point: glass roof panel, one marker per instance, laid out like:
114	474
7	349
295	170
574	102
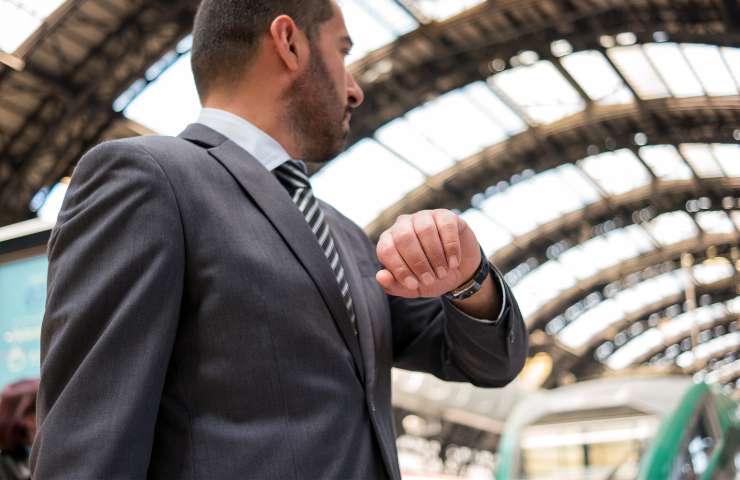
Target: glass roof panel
547	185
514	217
578	263
665	162
636	68
708	64
640	239
403	139
665	334
389	13
732	58
591	323
726	343
174	88
576	181
358	184
708	273
728	157
702	159
674	69
443	9
367	30
540	90
482	96
597	77
636	348
491	236
715	222
542	285
456	125
21	18
672	227
561	197
616	172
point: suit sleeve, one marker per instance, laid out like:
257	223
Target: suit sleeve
116	267
434	336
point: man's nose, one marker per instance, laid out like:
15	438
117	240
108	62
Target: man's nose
355	95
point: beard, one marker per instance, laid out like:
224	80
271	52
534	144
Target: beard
316	113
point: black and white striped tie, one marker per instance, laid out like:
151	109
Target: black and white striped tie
292	174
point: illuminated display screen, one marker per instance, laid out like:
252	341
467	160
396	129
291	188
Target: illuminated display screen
22	299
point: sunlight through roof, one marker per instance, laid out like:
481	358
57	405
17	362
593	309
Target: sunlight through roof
21	18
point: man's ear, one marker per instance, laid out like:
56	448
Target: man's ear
290	42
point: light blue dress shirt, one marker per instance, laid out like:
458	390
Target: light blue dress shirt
260	145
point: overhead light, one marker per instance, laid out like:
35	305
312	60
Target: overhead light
561	48
12	61
626	38
498	65
528	57
606	41
640	139
660	37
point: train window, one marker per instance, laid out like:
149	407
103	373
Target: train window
697	449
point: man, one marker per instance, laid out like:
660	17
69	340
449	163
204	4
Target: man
207	318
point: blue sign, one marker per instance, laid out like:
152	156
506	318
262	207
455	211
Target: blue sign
22	300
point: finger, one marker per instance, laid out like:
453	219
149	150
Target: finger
408	246
392	287
393	261
425	227
449	228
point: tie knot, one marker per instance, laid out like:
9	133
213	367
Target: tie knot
293	175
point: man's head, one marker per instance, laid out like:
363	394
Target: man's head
290	53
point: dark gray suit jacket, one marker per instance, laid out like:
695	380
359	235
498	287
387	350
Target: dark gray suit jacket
194	329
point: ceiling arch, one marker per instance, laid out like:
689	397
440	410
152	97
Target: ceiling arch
663	121
441	57
59	103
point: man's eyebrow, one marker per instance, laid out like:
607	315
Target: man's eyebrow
346	39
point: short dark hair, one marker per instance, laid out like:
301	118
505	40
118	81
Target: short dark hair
227	33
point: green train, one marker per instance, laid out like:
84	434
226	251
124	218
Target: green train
650	428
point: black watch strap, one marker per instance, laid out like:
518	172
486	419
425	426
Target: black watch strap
470	287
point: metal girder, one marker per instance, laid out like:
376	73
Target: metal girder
74	112
668	121
579	226
583	366
587	366
440	57
695	245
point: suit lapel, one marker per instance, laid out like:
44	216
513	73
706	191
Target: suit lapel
271	198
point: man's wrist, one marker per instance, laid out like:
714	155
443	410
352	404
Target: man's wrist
473	285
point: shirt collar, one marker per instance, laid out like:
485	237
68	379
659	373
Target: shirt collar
259	144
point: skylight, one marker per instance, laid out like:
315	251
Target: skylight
702	159
595	321
374	24
594	73
673	68
352	181
541	91
616	172
443	9
638	71
665	162
21	19
666	334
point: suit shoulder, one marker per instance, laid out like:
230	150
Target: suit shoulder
162	150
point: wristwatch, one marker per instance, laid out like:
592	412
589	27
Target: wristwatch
474	284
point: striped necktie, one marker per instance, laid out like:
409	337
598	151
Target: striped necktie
292	174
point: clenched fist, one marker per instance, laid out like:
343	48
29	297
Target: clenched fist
427	254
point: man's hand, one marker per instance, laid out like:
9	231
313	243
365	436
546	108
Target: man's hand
427	254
